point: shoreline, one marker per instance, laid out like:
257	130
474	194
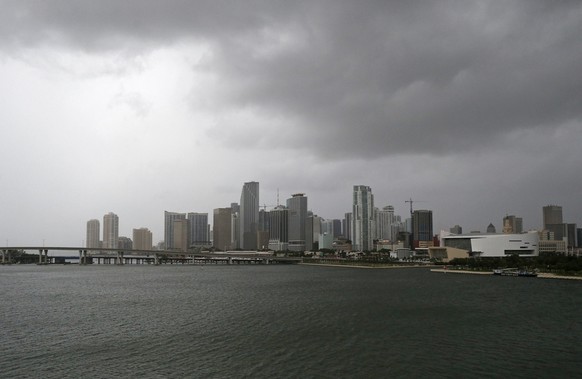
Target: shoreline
362	266
542	275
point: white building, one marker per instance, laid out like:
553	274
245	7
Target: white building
93	234
493	245
110	230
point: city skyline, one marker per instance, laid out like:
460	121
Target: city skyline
367	226
471	110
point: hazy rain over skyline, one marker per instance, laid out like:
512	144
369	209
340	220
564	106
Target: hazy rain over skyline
136	107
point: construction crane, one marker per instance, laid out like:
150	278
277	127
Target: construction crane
411	201
264	206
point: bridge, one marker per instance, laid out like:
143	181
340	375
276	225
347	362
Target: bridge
89	255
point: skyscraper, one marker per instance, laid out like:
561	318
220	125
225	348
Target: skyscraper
512	224
93	234
142	239
198	229
110	230
297	206
347	226
249	215
363	227
422	228
384	223
279	228
552	215
554	223
169	218
221	229
180	237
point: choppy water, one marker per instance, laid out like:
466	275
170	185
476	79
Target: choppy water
283	322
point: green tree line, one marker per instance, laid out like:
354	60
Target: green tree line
545	262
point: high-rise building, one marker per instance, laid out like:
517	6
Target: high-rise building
491	228
384	223
249	215
110	230
512	224
222	229
124	243
363	227
180	237
169	218
142	239
93	234
554	223
297	206
552	215
422	228
337	228
347	226
279	228
309	243
198	229
572	237
456	229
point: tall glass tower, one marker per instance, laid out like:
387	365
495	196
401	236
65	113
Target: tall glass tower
363	226
297	206
110	230
249	215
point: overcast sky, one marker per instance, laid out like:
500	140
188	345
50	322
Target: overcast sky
471	108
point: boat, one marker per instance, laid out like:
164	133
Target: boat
515	272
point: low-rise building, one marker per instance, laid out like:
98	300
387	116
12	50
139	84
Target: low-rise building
494	245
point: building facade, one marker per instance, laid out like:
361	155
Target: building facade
169	218
422	228
385	221
222	229
249	216
142	239
180	235
279	229
363	227
297	215
512	224
198	229
93	234
110	230
494	245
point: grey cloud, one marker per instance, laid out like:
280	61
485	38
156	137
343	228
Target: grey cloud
374	77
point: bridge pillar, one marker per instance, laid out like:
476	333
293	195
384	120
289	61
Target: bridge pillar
3	256
83	257
46	261
119	257
40	256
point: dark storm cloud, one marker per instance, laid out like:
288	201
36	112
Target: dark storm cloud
362	78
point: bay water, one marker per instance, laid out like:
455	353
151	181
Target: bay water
283	321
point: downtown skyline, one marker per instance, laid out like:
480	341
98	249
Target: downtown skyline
368	206
470	109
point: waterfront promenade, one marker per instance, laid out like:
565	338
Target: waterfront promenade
543	275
